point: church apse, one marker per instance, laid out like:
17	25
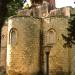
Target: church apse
23	46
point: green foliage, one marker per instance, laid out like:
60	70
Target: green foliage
70	38
71	30
13	6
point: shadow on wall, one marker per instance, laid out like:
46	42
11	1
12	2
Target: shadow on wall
2	70
59	71
11	72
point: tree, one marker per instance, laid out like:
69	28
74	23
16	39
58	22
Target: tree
13	6
3	11
70	38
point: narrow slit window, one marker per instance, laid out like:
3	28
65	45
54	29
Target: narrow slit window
13	37
51	36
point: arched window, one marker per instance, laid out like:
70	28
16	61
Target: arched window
13	37
51	36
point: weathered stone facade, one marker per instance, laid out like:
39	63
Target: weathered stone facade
27	47
4	45
58	58
26	39
23	46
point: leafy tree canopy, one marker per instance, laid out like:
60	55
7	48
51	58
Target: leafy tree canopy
70	38
13	6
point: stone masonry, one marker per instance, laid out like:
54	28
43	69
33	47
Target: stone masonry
58	58
4	45
24	53
23	46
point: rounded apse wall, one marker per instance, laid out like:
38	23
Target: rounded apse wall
23	46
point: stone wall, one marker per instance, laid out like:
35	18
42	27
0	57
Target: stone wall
4	45
59	58
23	46
23	52
73	61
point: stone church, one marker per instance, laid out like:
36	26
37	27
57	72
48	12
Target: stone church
26	40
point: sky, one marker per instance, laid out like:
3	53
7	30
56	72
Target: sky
64	3
58	3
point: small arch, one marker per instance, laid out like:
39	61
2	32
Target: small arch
51	36
13	36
